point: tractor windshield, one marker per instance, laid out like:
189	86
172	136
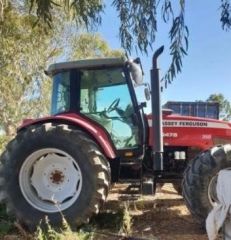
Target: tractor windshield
105	98
101	95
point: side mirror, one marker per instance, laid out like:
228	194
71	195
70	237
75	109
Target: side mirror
136	71
147	94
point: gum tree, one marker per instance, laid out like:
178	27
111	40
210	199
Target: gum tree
138	21
25	52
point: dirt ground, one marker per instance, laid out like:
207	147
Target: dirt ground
160	217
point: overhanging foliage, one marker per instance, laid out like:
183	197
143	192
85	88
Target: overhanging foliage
138	22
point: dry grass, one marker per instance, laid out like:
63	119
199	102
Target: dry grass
163	216
160	217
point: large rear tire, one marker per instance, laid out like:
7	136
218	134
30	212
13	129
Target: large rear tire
199	181
50	168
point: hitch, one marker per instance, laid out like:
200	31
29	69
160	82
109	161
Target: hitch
156	113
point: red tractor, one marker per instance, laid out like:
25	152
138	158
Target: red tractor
98	134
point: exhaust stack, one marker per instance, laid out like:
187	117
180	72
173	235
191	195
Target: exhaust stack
156	113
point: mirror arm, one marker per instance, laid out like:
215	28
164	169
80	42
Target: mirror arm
142	105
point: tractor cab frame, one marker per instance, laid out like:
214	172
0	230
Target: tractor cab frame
102	91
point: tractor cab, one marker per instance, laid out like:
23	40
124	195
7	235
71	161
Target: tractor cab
101	90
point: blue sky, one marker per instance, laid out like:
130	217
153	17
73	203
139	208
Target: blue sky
206	69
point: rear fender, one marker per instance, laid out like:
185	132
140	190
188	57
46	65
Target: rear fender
98	134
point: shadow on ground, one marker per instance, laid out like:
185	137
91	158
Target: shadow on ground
160	217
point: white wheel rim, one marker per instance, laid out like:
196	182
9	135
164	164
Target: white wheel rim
50	180
212	191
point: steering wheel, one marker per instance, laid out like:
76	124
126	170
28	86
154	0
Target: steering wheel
113	105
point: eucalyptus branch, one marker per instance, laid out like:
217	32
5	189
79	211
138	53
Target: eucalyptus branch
83	12
167	11
178	35
225	14
43	10
3	5
87	12
137	18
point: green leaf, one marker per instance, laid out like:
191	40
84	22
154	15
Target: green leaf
183	51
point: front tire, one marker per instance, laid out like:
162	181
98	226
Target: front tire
199	181
48	169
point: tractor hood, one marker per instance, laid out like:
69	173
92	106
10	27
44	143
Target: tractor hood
192	131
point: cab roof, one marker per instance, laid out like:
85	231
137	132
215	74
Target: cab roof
85	63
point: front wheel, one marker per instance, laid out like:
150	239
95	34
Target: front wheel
200	178
49	169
